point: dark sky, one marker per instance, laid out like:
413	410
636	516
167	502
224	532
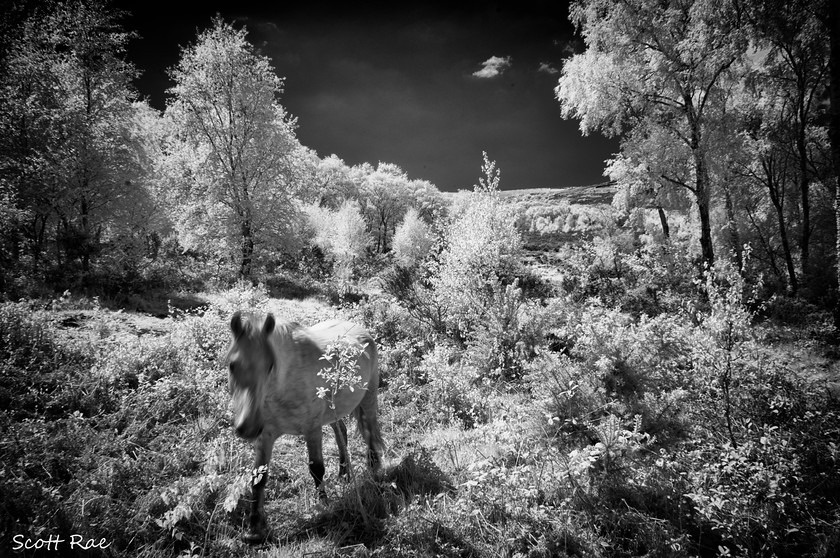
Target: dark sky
428	87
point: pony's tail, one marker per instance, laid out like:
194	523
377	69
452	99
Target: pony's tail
367	415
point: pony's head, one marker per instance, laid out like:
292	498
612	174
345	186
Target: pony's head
250	362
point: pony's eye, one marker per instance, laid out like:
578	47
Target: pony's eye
230	367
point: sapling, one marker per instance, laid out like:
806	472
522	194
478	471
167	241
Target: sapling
342	370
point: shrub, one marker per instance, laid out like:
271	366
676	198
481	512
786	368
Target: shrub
752	495
412	240
342	235
620	364
496	346
26	341
482	246
624	271
291	285
453	389
438	389
724	349
40	375
413	291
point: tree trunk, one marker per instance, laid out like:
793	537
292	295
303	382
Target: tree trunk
706	232
778	204
663	219
86	236
734	236
805	237
701	189
383	227
247	249
834	133
791	269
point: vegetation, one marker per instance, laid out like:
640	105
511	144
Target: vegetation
644	369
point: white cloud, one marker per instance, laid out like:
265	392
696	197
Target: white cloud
547	68
493	67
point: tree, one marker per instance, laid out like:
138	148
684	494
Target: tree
482	249
70	153
427	200
795	71
834	132
232	156
341	234
656	70
790	79
412	239
333	183
638	175
386	195
766	166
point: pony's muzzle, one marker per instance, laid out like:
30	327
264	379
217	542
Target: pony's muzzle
247	422
248	431
248	427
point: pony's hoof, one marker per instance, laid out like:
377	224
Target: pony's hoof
255	536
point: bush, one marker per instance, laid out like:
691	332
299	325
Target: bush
291	285
413	291
482	246
41	376
412	240
439	389
627	272
496	346
757	496
619	364
342	235
26	341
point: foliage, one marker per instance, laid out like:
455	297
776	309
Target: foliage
342	368
231	156
412	240
642	408
74	153
332	182
482	246
497	347
341	235
611	442
414	291
660	78
385	198
640	273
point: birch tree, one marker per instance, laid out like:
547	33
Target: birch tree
656	69
386	194
232	155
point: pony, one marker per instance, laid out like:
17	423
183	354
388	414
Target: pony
276	388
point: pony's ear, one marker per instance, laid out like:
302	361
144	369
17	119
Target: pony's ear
268	326
236	324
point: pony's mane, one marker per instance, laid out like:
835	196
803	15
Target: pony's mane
285	328
254	322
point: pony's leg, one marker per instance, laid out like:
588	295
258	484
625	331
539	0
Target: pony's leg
373	438
314	447
257	525
341	441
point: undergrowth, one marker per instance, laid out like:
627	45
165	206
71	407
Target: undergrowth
589	430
